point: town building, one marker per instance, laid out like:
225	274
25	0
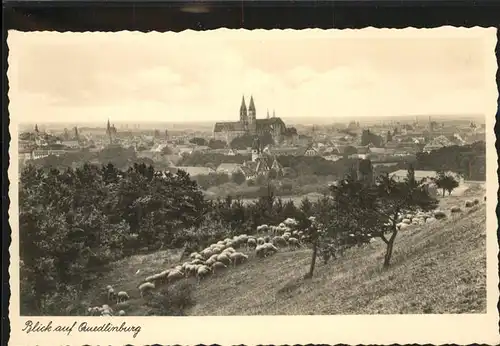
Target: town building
250	125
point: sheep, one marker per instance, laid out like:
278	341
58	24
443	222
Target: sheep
279	241
224	258
293	242
430	220
265	250
267	239
243	238
407	221
262	228
111	293
403	225
122	296
193	255
218	266
146	288
95	311
238	258
202	272
197	261
455	209
217	249
260	241
175	275
251	243
229	250
121	313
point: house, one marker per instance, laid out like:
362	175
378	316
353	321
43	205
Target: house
310	151
229	168
288	151
380	153
195	171
401	175
71	144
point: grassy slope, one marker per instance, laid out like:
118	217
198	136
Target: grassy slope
439	268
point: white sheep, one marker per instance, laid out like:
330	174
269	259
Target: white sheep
293	242
202	272
238	258
224	258
279	241
175	275
146	288
260	241
430	220
197	261
262	228
121	313
407	221
122	296
229	250
218	266
265	250
251	243
403	225
193	255
111	293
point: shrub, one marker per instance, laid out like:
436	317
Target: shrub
468	204
173	300
456	210
439	214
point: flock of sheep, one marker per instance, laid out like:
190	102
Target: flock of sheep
213	259
221	255
420	218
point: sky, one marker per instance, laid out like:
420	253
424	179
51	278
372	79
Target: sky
202	76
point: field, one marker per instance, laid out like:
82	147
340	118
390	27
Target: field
436	268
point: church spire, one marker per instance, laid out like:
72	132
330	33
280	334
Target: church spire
243	111
251	106
243	105
274	114
268	114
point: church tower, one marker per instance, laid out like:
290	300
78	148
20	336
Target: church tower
243	114
252	123
255	149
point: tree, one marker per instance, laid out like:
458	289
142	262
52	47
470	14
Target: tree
350	150
198	141
217	144
446	182
376	208
238	177
166	150
368	137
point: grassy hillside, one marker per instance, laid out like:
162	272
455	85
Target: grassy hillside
436	268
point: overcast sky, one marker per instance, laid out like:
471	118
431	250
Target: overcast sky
202	76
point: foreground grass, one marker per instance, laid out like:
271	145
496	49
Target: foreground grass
437	268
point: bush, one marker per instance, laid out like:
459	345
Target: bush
439	214
173	300
456	210
468	204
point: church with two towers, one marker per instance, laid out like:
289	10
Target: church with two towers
248	124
